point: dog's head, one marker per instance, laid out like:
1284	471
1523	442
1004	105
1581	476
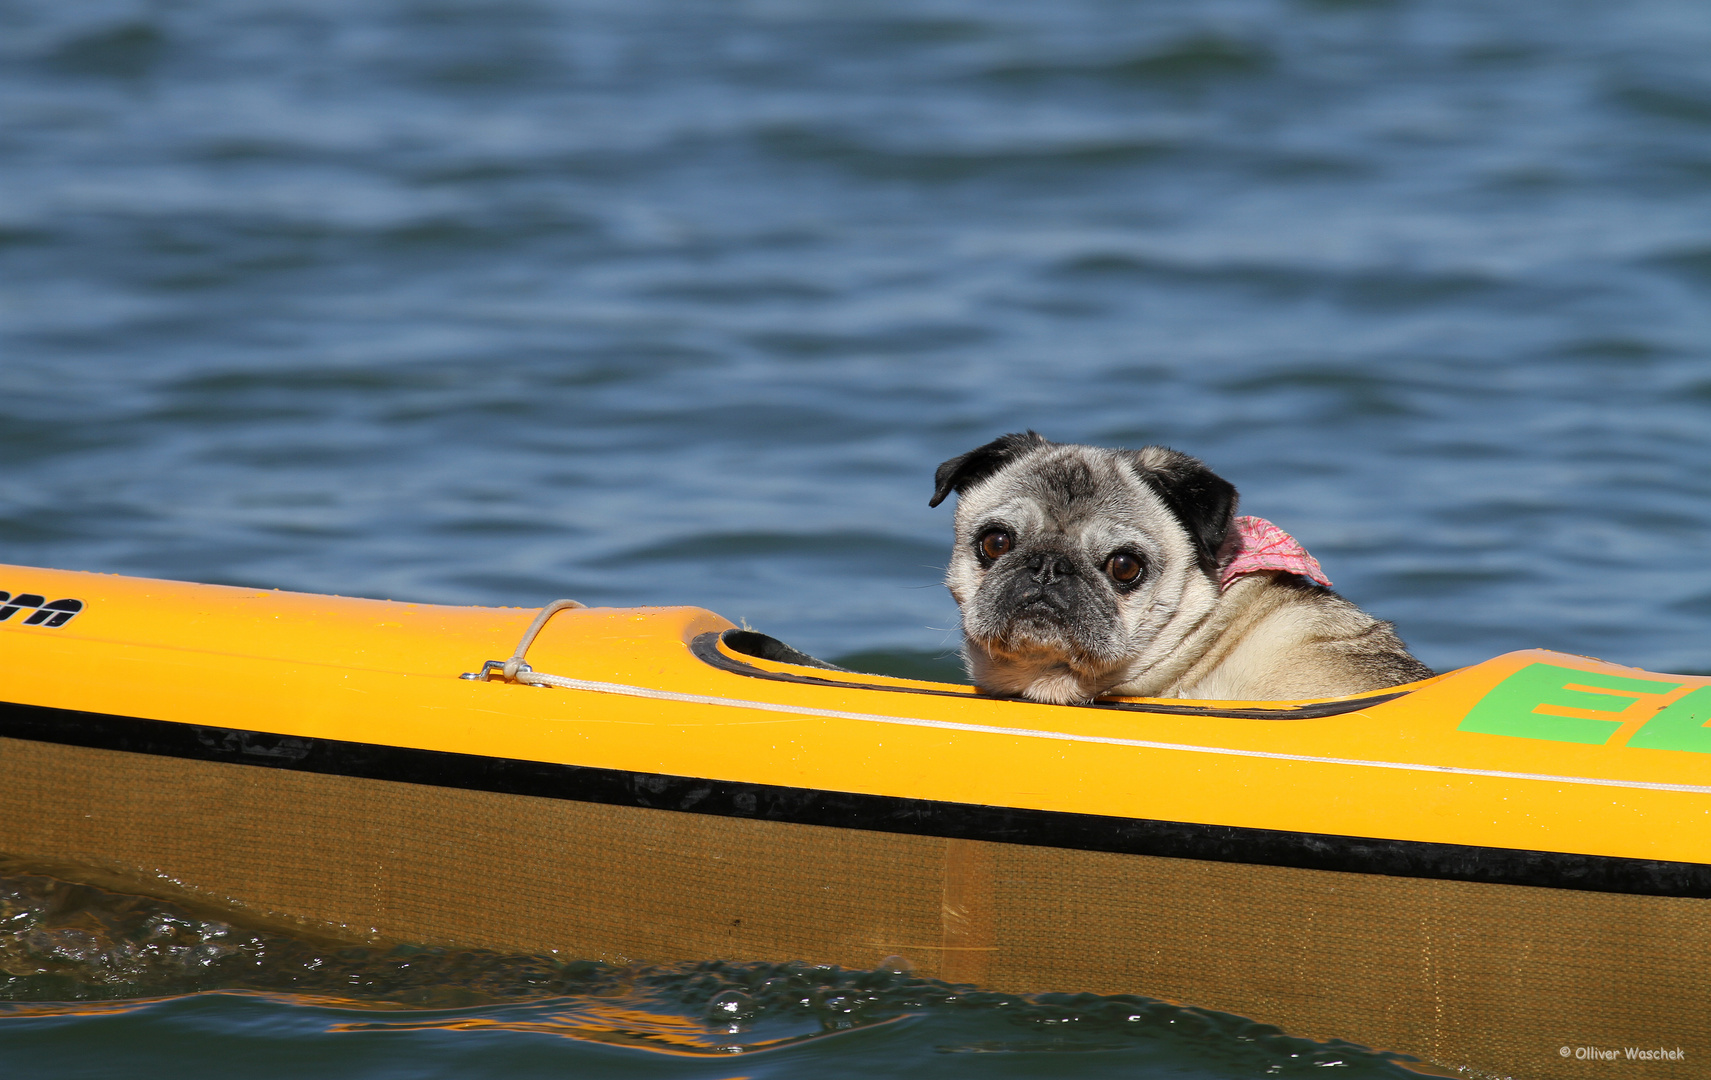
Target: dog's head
1077	568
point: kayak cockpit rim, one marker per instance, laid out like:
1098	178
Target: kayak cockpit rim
732	650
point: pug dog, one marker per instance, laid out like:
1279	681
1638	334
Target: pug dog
1083	572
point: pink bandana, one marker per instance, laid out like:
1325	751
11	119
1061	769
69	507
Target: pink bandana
1256	544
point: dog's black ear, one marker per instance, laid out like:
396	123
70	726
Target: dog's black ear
961	473
1202	500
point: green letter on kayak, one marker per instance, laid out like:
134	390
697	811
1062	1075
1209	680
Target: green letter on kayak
1680	726
1511	706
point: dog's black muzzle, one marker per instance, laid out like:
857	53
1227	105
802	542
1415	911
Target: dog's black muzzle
1048	583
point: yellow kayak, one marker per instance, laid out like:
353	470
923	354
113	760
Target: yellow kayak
1475	868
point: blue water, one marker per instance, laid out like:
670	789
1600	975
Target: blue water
652	302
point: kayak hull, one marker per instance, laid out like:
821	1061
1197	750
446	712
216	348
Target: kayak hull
301	761
1462	973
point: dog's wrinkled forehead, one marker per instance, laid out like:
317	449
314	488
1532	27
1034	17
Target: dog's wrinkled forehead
1154	491
1065	489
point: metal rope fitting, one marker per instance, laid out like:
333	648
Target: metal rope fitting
508	670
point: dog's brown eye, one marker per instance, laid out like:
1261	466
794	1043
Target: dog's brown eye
1123	567
995	543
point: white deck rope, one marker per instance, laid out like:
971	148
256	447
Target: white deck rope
536	678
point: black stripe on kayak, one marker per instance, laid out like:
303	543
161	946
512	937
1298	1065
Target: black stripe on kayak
705	648
845	810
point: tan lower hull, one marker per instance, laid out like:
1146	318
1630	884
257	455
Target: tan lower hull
1493	977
